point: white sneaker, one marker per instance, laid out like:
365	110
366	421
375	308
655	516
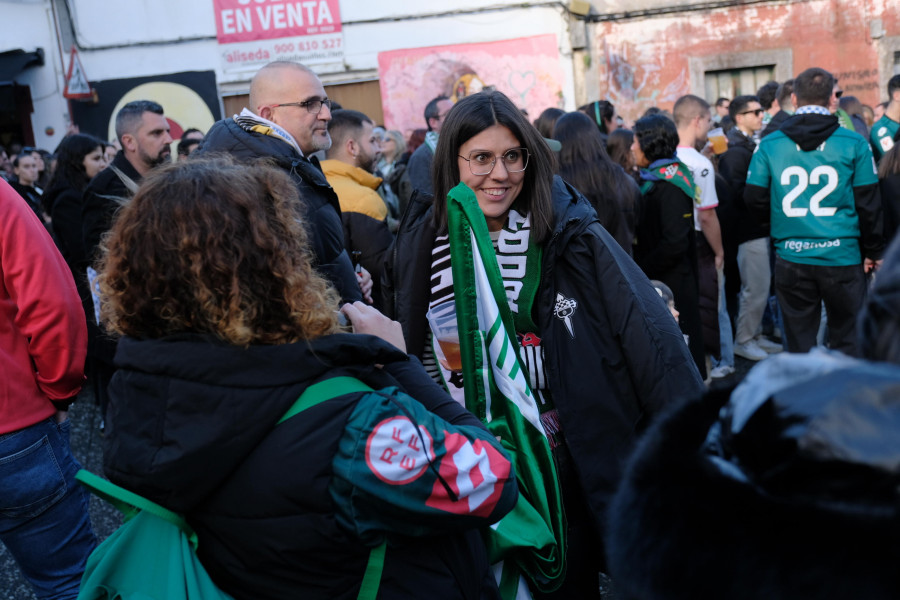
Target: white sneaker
721	372
750	350
767	345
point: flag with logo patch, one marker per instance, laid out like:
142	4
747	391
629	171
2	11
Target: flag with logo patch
528	542
675	172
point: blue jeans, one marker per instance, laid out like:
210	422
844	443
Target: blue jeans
44	520
726	338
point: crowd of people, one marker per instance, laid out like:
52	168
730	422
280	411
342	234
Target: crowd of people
299	242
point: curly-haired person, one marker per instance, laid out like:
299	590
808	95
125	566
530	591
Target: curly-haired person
665	238
225	324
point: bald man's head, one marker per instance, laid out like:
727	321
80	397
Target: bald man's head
276	93
268	85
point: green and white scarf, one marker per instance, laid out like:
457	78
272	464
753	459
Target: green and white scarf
529	542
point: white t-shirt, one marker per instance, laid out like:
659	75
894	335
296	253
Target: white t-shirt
704	178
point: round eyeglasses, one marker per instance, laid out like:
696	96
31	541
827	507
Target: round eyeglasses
313	106
481	162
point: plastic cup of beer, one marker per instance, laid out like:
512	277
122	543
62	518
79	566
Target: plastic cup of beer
442	319
718	139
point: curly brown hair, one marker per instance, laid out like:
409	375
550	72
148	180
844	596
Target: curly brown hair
211	246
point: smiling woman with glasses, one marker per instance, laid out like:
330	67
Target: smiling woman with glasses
601	351
482	163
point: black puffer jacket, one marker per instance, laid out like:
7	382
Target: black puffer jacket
192	426
785	488
624	359
326	233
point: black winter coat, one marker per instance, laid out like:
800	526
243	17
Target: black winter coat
623	361
192	426
65	212
890	202
324	228
777	490
666	250
733	166
102	198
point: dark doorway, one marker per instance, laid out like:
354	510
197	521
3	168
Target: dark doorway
15	115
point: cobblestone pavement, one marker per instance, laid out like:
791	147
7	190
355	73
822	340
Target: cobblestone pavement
87	444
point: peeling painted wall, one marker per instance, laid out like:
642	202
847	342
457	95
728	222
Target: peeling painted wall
650	61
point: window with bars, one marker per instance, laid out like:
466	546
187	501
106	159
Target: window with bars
731	83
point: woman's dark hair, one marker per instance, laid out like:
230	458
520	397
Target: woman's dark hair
656	136
584	163
618	146
469	117
70	155
890	162
546	120
416	139
600	111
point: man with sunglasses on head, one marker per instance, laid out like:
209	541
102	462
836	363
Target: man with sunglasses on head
286	122
752	240
815	183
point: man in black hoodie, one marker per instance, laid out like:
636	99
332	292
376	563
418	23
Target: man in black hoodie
751	240
814	184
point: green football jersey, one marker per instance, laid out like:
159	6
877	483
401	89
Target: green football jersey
813	209
883	132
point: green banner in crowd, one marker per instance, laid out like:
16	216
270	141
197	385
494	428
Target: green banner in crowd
530	540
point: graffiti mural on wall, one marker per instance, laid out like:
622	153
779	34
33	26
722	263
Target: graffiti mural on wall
857	81
527	70
634	85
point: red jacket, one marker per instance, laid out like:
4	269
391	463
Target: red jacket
43	335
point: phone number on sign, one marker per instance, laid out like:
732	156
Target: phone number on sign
307	46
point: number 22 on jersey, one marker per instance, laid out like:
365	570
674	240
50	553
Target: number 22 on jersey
821	174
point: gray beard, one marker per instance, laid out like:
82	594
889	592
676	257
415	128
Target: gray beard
320	144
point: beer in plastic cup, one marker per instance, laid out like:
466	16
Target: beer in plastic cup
442	320
718	139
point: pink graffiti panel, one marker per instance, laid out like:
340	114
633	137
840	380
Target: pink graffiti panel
528	70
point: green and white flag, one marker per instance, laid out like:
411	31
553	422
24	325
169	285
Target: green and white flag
530	540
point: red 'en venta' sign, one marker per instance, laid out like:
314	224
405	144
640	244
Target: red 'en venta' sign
252	20
252	33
